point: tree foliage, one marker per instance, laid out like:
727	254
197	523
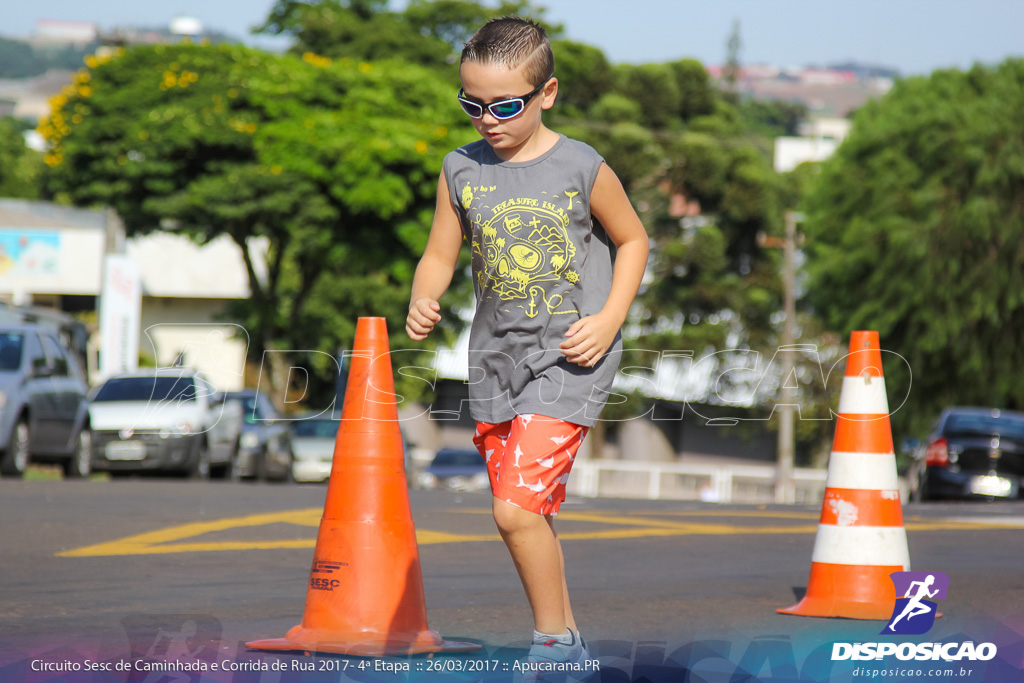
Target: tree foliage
19	59
429	33
916	229
773	118
20	167
584	76
332	163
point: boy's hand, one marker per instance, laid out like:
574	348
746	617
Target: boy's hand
423	315
589	339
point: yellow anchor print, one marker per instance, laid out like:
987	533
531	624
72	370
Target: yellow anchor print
551	304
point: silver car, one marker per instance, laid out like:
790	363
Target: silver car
163	420
44	411
313	438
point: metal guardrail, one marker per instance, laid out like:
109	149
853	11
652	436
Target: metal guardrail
685	481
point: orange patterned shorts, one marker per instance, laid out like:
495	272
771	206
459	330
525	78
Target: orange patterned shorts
529	459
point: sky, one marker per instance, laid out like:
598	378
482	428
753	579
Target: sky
912	36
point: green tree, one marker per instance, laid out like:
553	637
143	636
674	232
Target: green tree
584	76
332	164
916	229
773	118
20	167
358	30
455	21
711	284
19	59
430	33
654	87
731	71
696	95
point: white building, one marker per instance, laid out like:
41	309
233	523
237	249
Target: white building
52	256
63	32
819	138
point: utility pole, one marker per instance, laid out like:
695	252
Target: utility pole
785	491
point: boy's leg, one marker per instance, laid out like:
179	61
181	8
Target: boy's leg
529	486
538	560
566	607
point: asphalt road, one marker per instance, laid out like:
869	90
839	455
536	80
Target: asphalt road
107	569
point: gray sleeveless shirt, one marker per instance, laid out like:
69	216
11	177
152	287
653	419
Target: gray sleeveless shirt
540	263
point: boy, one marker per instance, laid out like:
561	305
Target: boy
552	292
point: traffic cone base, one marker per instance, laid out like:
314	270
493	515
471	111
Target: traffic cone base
362	644
851	591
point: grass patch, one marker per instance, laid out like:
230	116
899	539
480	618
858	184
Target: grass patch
37	472
44	473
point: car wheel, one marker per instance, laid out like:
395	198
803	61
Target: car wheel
288	476
259	466
80	464
16	457
200	463
233	471
226	471
920	492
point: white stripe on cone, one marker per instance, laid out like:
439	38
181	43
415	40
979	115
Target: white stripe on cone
863	396
877	546
871	471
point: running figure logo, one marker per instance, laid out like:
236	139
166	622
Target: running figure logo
914	614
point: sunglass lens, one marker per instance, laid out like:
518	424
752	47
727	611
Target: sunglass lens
506	110
472	109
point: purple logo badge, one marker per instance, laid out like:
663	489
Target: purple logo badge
915	612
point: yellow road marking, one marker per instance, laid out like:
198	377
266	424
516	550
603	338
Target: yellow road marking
738	513
177	539
161	541
425	537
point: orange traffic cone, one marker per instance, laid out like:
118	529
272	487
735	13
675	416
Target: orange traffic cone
365	593
861	538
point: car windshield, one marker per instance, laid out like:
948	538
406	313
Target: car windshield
317	429
458	458
249	411
255	409
985	425
10	351
147	389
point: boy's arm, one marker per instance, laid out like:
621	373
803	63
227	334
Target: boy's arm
436	267
590	338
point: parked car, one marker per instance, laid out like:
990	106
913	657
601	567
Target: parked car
455	469
163	420
44	415
313	439
265	448
970	453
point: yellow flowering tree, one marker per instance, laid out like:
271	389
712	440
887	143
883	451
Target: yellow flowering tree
332	162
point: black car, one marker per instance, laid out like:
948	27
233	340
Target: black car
454	469
970	453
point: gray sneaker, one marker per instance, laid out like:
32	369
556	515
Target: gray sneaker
583	644
552	661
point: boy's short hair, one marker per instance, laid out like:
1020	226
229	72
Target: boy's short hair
512	42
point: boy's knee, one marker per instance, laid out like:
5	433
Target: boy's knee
510	518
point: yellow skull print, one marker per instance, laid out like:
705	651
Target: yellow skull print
523	247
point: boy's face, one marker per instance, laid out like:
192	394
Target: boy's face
488	83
